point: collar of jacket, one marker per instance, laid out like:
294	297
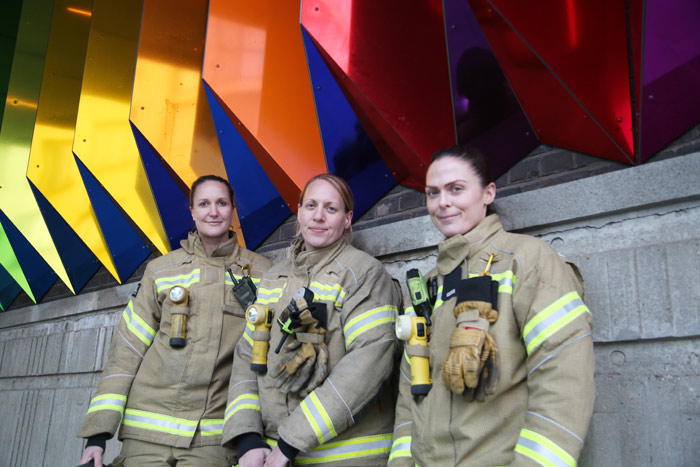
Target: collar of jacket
455	250
303	259
193	245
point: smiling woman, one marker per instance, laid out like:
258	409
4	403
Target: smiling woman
186	317
308	404
509	348
211	204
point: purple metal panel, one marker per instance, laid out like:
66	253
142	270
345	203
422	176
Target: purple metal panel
670	101
487	113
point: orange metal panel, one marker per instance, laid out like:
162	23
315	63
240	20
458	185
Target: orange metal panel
104	141
169	105
256	64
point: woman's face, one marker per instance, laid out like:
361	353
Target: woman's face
212	211
322	217
456	199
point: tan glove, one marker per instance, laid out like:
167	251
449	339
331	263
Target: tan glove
307	353
472	349
321	364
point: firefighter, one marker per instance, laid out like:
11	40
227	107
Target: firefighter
510	348
322	397
169	363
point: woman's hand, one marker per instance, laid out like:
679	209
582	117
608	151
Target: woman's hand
254	458
276	459
92	453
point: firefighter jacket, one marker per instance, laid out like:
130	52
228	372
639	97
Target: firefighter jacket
540	412
167	395
348	419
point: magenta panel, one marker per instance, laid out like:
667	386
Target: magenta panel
390	60
487	113
670	101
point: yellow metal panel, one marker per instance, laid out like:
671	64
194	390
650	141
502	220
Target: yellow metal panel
104	141
169	104
16	196
52	167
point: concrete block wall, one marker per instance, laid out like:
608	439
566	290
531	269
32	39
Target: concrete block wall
634	233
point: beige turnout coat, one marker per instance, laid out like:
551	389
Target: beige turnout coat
347	420
166	395
540	412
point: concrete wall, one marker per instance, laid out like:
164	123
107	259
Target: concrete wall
636	239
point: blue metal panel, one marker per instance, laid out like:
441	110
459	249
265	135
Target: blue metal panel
261	209
9	289
125	245
39	275
349	151
173	204
77	259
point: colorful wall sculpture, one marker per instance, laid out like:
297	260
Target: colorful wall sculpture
110	109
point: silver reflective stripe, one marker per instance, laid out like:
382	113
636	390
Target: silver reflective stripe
114	402
137	325
156	422
318	418
244	401
347	449
211	427
542	451
368	320
269	295
331	293
555	316
184	280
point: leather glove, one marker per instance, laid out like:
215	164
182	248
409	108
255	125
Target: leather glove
472	365
307	353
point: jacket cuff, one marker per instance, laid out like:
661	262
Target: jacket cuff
290	452
99	440
247	442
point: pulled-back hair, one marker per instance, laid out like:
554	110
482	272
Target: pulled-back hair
471	156
209	178
339	184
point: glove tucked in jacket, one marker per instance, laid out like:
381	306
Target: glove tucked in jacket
471	366
306	363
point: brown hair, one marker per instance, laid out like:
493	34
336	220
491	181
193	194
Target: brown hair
339	184
471	156
210	178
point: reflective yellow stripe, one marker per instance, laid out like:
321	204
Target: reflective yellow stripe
157	422
185	280
409	311
438	301
318	418
506	281
229	281
405	355
115	402
552	319
243	402
368	320
401	448
213	427
266	296
247	333
353	448
137	325
542	450
331	293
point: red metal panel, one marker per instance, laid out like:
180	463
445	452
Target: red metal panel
390	59
567	62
